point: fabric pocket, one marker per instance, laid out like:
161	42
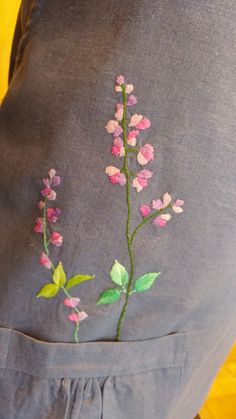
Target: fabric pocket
109	380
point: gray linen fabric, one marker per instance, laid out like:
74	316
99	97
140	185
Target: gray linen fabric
181	57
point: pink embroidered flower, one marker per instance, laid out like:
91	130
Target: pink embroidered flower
129	88
53	214
177	206
145	154
46	182
131	138
77	317
141	180
115	176
56	239
120	80
38	228
118	147
51	173
111	126
132	100
54	180
157	204
161	220
45	261
135	119
145	210
143	124
72	302
49	194
119	111
139	122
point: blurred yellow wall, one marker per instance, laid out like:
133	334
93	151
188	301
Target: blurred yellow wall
221	401
8	15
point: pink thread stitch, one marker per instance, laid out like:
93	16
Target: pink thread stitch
44	225
126	129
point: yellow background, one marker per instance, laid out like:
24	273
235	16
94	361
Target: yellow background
221	401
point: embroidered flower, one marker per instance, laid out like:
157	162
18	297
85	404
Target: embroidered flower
139	122
45	261
115	176
77	317
119	111
141	180
132	100
143	124
111	126
162	219
135	120
53	214
145	210
120	80
72	302
131	139
129	88
38	228
56	239
145	154
118	147
177	206
158	204
49	194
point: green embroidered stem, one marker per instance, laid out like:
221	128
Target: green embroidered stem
76	330
45	242
146	219
127	232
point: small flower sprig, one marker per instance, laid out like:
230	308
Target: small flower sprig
125	129
44	225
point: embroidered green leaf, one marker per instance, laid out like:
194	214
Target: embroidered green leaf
109	296
75	280
146	281
48	291
119	274
59	276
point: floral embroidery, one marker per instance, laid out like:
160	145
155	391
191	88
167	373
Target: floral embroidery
126	129
43	225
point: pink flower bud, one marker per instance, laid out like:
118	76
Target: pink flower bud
77	317
115	176
38	228
120	80
49	194
145	210
45	261
141	180
72	302
118	147
56	239
145	154
132	100
53	214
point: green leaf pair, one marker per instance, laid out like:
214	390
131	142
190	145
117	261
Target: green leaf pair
119	276
59	280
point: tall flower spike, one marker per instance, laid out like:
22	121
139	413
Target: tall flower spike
125	135
59	281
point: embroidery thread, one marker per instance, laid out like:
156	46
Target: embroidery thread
157	211
44	225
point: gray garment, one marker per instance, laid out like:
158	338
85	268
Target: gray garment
180	56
